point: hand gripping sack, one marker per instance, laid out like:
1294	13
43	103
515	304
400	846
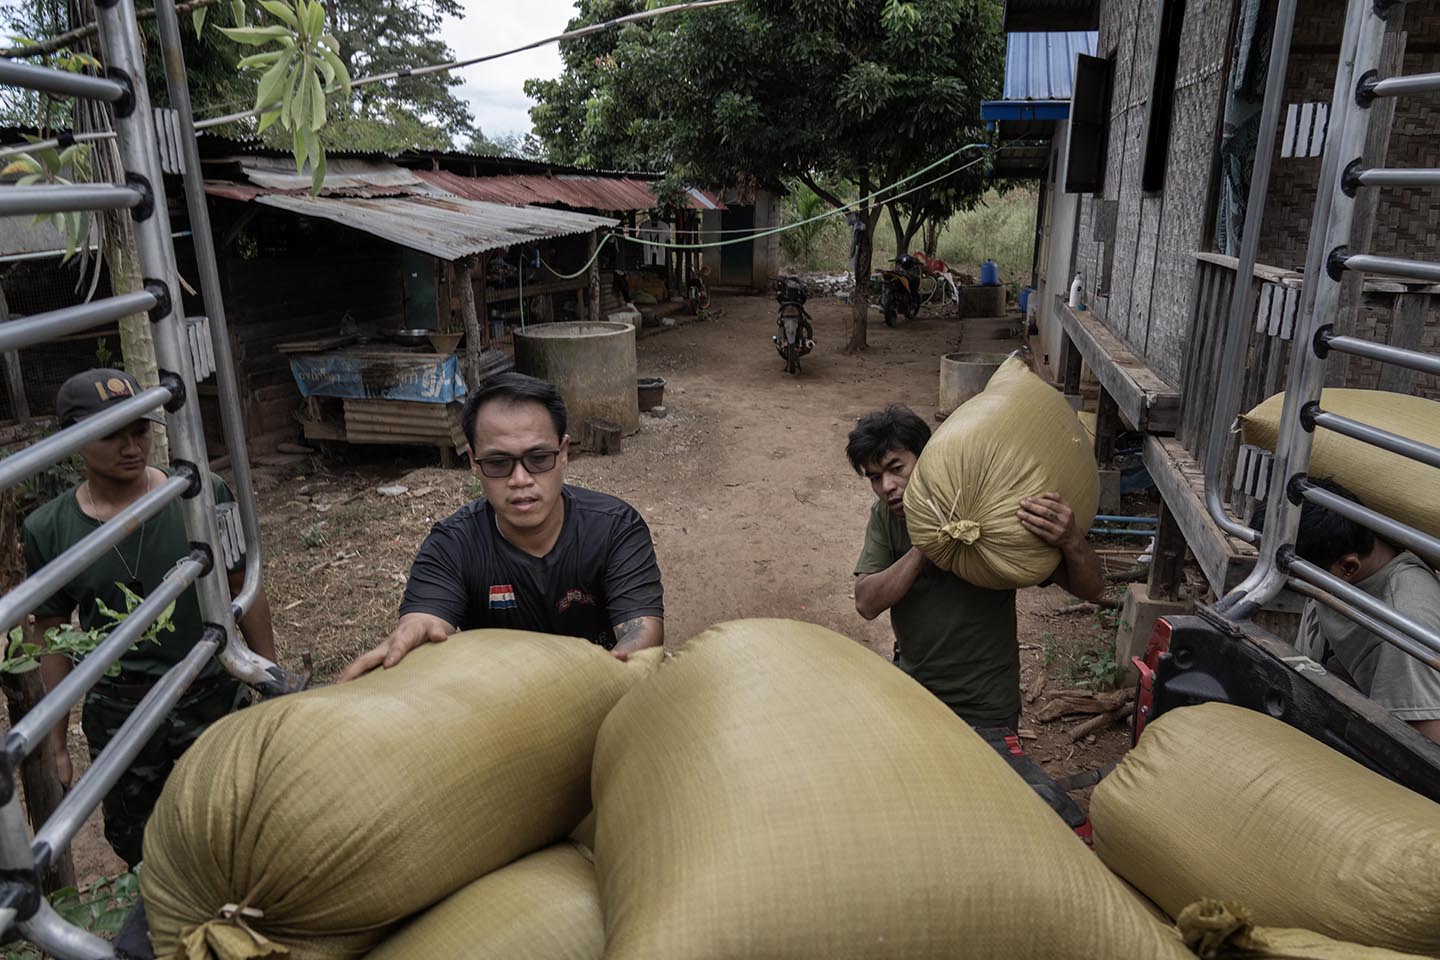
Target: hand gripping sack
776	790
544	907
1217	801
315	822
1396	486
1016	438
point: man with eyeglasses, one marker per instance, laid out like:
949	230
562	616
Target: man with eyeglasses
532	553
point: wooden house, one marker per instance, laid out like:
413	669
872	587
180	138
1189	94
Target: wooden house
1147	178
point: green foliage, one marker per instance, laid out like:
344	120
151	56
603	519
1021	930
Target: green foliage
383	36
769	89
66	640
294	80
54	166
313	536
801	245
99	906
1098	670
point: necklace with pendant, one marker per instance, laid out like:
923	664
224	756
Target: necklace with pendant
134	583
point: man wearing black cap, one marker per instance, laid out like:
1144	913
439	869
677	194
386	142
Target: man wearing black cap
117	473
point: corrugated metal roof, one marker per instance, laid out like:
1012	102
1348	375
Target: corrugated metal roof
1041	66
341	175
440	226
580	191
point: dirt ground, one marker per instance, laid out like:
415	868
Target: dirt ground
744	483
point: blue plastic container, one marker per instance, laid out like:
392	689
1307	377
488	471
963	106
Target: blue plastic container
1025	299
990	274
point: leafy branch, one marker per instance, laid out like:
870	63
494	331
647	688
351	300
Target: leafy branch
296	77
52	165
22	656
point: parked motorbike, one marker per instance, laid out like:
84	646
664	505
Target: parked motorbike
794	336
900	288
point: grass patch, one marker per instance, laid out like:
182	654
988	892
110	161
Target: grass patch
1001	228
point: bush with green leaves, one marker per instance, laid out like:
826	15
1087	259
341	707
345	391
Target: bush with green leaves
99	906
295	78
22	656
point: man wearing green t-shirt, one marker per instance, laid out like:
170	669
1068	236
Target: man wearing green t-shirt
116	475
1403	685
956	639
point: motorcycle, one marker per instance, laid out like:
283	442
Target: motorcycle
794	336
900	288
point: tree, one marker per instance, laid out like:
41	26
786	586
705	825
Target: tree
864	91
380	36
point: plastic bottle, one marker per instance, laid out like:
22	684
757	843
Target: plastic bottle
990	273
1075	291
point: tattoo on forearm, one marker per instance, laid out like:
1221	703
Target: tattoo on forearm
630	633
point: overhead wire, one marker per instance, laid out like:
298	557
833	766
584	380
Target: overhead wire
212	122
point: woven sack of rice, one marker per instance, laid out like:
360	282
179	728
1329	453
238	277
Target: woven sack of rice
1016	438
1221	802
1397	486
776	790
310	825
542	907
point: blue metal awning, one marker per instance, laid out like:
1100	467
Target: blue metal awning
1039	75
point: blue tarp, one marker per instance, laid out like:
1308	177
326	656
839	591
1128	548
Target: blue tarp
419	377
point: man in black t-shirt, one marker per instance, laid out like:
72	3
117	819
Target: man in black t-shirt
533	553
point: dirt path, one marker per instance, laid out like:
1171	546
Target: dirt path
754	509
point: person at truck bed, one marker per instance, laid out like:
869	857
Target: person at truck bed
533	553
1398	578
956	639
116	475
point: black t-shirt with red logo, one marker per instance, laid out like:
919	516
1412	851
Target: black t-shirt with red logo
601	572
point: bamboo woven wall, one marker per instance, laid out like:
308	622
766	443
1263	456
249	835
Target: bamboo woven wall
1152	270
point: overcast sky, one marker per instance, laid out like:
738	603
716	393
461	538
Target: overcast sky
495	90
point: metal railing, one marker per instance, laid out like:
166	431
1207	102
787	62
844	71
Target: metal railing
1329	261
184	354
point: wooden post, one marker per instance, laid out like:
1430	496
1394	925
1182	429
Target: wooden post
478	291
137	341
38	777
1167	567
37	771
473	342
594	277
1107	428
14	378
1407	324
1070	361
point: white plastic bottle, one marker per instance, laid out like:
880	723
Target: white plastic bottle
1075	291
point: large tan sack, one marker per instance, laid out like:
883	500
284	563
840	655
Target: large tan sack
1384	481
321	819
544	907
1223	931
777	791
1218	801
1015	439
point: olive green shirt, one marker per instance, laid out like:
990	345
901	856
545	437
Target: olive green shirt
958	640
157	545
1386	674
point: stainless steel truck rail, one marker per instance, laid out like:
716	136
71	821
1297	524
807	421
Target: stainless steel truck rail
1344	175
186	354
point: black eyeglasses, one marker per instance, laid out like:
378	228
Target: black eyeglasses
536	461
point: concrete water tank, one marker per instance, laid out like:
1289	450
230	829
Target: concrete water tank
592	364
962	375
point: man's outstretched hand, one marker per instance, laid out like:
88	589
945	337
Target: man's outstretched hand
413	630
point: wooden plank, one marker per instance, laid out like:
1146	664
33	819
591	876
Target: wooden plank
1224	560
1407	323
1107	429
1263	271
1145	398
1180	481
